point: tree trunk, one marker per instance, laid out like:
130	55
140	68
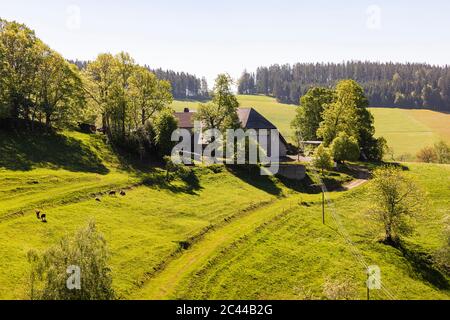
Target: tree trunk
48	120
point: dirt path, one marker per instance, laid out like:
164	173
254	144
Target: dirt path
354	184
363	176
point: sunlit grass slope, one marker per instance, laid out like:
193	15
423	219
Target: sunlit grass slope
292	257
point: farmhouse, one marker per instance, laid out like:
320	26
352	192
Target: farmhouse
249	118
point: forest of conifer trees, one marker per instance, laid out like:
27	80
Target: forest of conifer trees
385	84
184	85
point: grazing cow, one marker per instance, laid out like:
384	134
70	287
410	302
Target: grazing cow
44	218
112	193
38	214
122	193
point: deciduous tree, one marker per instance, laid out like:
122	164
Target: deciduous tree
322	159
345	148
148	95
221	112
87	252
396	201
309	114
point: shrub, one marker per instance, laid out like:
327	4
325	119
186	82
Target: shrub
340	289
322	159
87	251
442	256
345	148
442	150
176	170
427	155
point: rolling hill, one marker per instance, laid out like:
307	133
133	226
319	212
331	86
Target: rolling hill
222	233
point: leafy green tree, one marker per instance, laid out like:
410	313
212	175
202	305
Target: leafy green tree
322	159
59	89
99	81
20	50
442	150
85	250
396	201
124	68
221	112
148	95
341	115
164	125
345	148
349	114
309	114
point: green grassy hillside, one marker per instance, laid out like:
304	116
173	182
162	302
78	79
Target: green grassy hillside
143	229
292	256
407	131
247	236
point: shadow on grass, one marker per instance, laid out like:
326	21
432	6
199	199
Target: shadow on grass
251	175
306	185
27	150
188	183
423	264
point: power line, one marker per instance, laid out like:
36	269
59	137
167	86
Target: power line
344	234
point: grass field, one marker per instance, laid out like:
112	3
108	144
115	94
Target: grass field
143	229
407	131
291	255
248	236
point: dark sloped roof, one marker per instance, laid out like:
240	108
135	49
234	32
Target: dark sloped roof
249	117
185	120
252	119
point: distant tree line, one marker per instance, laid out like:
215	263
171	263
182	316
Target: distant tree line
385	84
184	85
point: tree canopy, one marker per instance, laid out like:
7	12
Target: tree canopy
221	112
37	84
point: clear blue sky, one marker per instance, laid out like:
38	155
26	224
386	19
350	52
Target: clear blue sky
208	37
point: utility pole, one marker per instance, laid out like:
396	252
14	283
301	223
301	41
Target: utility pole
323	206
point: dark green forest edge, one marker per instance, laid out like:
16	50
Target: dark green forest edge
385	84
